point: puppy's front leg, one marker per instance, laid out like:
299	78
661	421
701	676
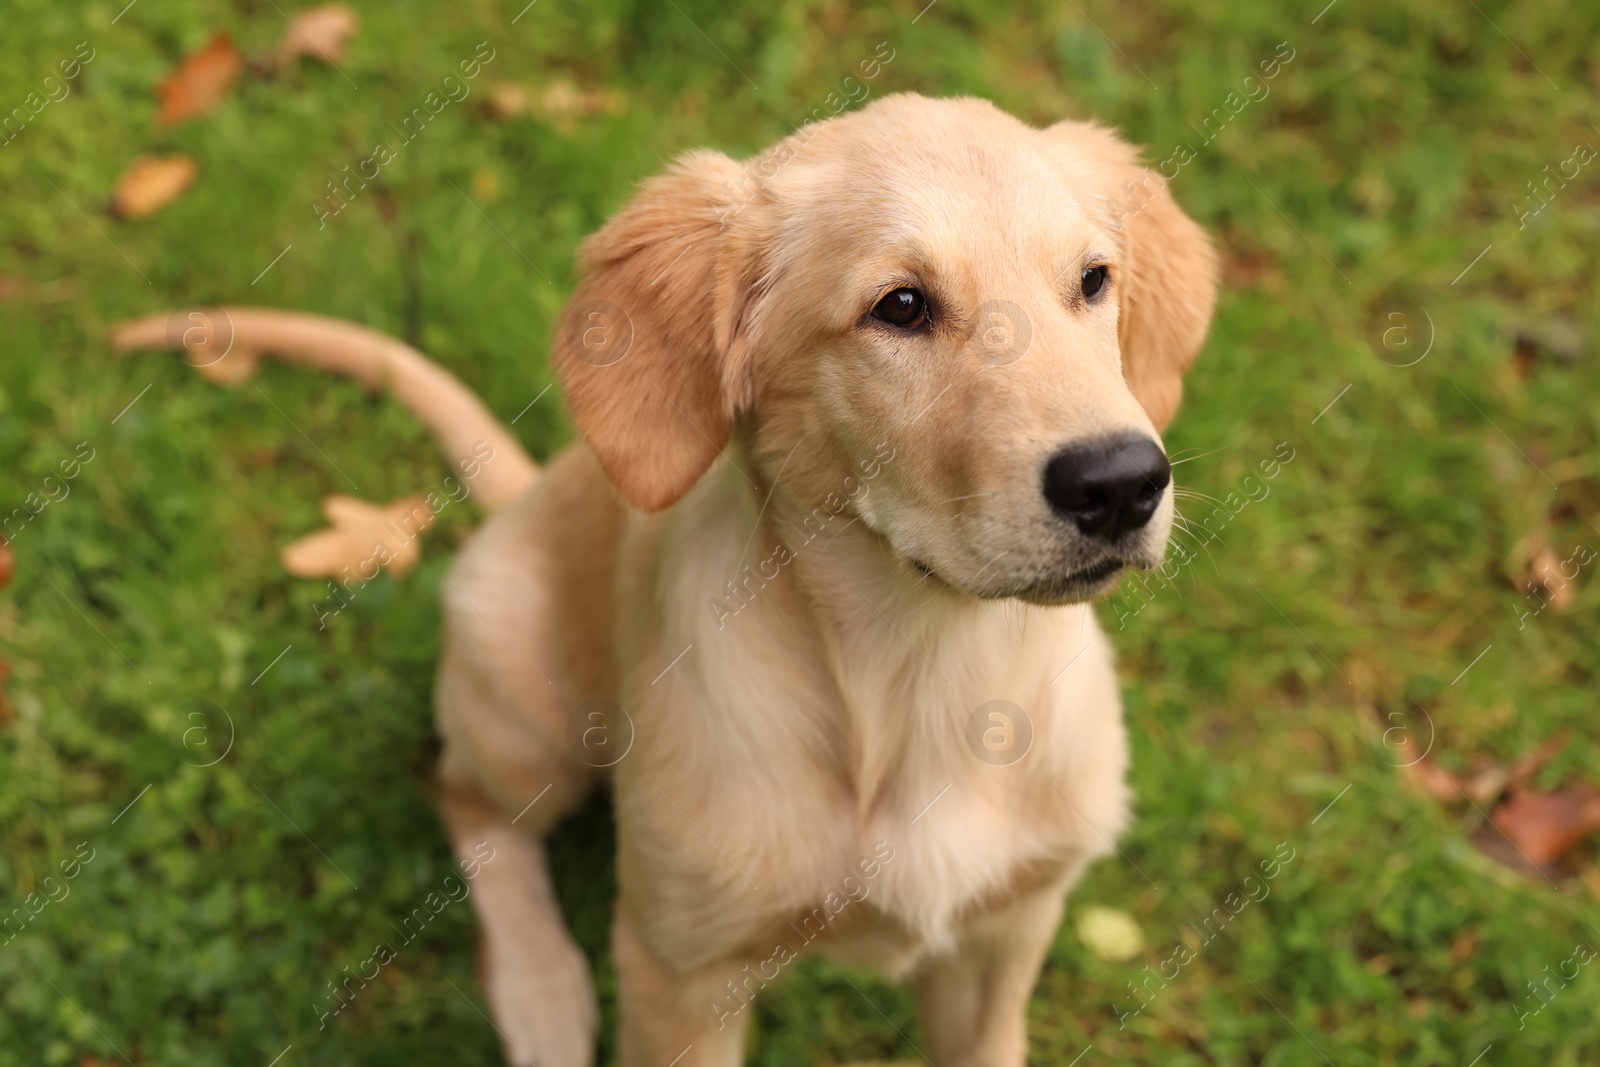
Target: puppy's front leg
670	1019
535	977
974	1001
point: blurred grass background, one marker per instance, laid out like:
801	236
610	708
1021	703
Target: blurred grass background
1389	553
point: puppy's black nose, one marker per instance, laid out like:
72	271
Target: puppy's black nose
1107	487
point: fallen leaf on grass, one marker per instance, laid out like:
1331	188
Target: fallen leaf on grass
1543	579
362	537
508	100
151	183
201	81
1486	786
13	287
562	98
1560	336
1110	933
1546	826
485	185
1437	782
1245	268
319	32
559	102
1448	787
1490	781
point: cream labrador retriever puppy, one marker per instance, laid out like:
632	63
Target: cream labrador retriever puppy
866	422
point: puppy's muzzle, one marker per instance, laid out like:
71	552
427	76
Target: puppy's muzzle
1107	487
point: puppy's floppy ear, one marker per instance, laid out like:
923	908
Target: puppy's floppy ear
640	348
1167	287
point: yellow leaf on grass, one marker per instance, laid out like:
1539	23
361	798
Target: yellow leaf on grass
1111	934
486	184
151	183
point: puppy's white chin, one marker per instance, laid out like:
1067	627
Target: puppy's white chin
1076	587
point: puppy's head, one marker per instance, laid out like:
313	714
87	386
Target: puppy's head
972	329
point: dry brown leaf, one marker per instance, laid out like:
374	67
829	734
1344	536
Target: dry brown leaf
320	32
1490	781
1559	336
151	183
1546	826
1246	271
362	537
1465	944
201	81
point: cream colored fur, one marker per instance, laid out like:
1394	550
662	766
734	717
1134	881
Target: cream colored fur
799	550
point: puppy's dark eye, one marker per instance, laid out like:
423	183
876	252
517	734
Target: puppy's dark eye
1094	279
903	307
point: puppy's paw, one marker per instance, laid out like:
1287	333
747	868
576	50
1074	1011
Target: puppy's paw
545	1012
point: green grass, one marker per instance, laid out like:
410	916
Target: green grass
1387	156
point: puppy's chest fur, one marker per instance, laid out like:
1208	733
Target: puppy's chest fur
845	806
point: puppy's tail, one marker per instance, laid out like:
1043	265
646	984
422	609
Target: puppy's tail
226	344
